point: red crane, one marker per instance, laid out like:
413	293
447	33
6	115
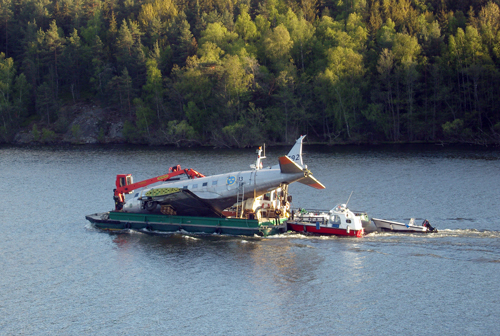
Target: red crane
125	183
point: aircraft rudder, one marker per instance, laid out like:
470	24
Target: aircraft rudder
295	153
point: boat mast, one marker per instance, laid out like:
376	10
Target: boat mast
349	199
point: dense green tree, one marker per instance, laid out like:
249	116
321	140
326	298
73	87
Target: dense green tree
210	53
340	90
124	43
226	72
183	42
6	15
286	95
100	70
245	27
122	92
235	85
389	120
52	47
74	58
278	45
144	117
45	101
153	90
302	36
7	74
217	34
406	50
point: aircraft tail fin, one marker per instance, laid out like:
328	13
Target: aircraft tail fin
292	164
295	153
312	182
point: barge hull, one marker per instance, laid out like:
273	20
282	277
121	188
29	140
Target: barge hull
115	220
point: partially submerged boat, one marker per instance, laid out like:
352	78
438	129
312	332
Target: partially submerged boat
387	225
339	221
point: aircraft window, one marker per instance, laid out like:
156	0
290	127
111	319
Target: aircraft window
214	182
195	186
136	194
267	197
205	184
185	187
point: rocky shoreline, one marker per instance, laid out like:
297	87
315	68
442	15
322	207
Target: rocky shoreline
85	123
90	124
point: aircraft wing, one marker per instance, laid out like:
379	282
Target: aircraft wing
288	166
183	202
312	182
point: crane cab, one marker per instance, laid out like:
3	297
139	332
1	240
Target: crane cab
123	180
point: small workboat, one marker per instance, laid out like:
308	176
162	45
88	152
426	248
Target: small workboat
339	221
387	225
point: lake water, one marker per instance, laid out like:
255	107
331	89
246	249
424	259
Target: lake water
61	276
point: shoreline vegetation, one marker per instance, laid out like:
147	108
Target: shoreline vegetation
28	141
239	73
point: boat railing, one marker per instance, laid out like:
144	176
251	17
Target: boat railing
313	219
316	211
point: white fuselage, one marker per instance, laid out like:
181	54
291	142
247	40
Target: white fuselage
223	190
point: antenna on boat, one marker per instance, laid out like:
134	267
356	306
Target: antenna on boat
349	199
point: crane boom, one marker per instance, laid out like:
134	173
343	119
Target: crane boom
125	183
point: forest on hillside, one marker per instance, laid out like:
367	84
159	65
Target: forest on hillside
241	72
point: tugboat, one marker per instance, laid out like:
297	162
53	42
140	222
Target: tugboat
339	221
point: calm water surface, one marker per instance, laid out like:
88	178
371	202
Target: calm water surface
61	276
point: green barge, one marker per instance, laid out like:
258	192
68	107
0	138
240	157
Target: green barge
118	220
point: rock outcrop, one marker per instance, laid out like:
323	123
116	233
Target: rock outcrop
90	124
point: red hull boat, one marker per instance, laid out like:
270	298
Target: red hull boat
322	230
339	221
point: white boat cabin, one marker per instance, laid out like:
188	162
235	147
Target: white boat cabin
339	217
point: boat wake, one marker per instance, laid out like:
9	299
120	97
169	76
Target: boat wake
471	233
189	237
297	235
444	233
